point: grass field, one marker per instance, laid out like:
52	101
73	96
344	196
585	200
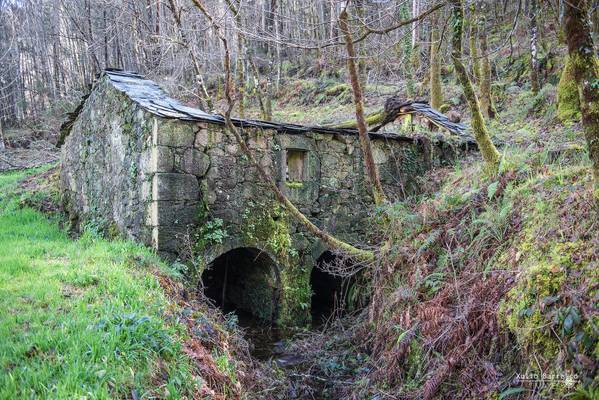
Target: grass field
81	318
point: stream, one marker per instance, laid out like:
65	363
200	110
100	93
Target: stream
267	342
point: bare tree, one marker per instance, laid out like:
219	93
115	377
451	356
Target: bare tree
371	168
333	242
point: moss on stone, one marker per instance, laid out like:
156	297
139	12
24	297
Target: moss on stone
267	226
294	185
568	102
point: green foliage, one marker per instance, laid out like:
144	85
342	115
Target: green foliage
81	318
212	232
590	393
294	185
528	104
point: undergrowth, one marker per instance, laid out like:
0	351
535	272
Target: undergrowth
489	281
98	318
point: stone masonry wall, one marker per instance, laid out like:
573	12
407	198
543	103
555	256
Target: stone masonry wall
333	195
105	174
170	184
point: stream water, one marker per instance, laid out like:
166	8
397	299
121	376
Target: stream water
267	342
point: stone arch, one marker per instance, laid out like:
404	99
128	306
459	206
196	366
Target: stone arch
244	279
329	292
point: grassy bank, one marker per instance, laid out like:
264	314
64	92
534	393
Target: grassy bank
81	318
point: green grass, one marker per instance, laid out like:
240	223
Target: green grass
81	318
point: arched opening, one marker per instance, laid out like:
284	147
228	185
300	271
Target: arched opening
244	280
329	291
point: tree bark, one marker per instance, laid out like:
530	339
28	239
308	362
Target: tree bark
240	56
435	69
371	168
486	97
534	63
472	36
2	144
586	73
485	144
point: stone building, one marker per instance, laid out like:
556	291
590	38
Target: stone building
137	162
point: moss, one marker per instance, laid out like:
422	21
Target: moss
539	310
337	90
267	226
371	119
294	185
568	102
113	231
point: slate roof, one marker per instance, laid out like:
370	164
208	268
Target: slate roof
150	96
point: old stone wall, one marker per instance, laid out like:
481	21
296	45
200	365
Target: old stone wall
105	174
183	186
238	211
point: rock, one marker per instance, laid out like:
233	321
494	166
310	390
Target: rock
170	186
195	162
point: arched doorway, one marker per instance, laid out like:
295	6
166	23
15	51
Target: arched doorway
329	291
244	280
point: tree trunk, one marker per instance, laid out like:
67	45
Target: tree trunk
240	57
2	143
534	63
473	34
415	53
487	148
362	71
585	67
486	97
371	168
407	50
435	69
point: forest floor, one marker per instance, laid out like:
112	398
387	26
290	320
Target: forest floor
24	149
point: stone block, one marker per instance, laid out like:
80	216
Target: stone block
169	186
201	139
379	155
169	239
231	148
173	213
195	162
175	134
163	159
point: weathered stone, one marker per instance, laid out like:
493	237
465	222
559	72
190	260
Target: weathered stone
195	162
176	134
379	155
123	164
173	213
201	140
170	239
231	149
170	186
164	159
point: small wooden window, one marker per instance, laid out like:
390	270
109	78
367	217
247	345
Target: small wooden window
296	168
